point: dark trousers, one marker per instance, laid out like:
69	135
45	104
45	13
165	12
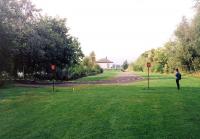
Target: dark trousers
177	83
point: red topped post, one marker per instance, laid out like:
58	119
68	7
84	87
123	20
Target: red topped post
148	66
53	68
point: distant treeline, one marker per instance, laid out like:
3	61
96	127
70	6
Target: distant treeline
183	51
31	42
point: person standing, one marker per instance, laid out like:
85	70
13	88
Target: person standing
178	78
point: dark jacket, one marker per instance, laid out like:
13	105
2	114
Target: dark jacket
178	76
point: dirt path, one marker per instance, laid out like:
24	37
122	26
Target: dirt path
122	78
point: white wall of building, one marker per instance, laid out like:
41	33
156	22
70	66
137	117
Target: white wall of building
105	65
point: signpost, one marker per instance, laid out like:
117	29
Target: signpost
148	66
53	68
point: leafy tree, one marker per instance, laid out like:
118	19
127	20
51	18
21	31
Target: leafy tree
184	38
182	52
87	62
14	16
31	42
125	65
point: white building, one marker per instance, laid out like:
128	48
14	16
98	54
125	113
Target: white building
104	63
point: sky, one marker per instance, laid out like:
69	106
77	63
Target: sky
119	29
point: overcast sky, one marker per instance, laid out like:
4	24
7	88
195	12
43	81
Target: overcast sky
119	29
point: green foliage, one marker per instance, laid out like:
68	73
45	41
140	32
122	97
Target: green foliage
125	65
87	62
15	17
183	52
77	71
87	67
30	42
98	69
137	67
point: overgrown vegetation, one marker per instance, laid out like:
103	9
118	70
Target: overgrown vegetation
183	51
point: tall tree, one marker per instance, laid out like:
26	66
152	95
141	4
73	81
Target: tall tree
32	42
49	43
125	65
14	16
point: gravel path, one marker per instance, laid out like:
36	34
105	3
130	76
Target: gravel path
122	78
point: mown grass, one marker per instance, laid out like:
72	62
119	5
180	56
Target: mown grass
106	111
107	74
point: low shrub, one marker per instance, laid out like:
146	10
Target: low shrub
79	71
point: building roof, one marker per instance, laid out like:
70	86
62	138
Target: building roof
104	60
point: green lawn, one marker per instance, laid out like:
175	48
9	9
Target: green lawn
106	111
107	74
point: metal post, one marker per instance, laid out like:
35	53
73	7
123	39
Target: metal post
23	72
53	81
53	85
148	77
53	68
